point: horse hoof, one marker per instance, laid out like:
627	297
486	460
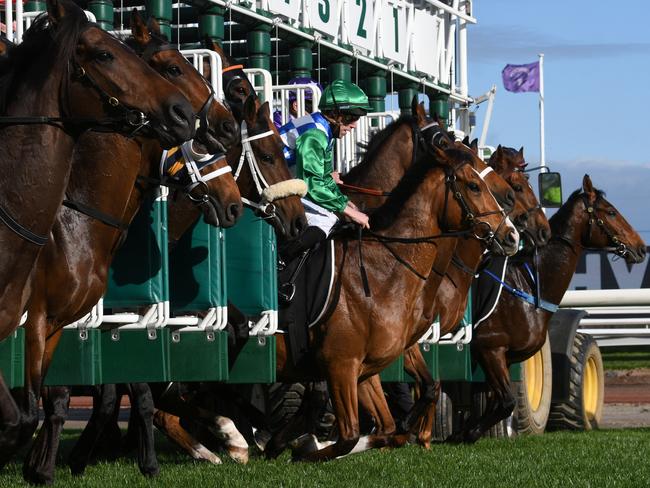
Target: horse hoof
35	477
303	446
150	471
238	454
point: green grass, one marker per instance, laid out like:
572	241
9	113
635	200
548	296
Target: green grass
625	357
596	459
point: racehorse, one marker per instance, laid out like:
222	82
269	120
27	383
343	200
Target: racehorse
362	334
67	76
72	272
450	300
257	160
516	330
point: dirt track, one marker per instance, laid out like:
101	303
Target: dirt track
627	399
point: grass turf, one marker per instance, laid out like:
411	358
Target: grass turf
625	357
602	458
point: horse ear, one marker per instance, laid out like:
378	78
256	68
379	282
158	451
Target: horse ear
466	140
154	27
588	188
474	145
139	30
521	151
250	110
56	10
264	112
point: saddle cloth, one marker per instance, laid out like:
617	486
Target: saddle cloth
313	286
486	290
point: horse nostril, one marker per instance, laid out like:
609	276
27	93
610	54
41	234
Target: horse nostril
642	252
299	225
233	212
228	127
543	235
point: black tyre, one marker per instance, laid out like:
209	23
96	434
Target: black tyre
284	401
533	392
584	408
443	422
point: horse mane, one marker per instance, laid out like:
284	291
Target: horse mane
371	149
564	212
41	43
384	216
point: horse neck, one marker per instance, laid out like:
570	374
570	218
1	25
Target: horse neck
104	173
558	260
386	170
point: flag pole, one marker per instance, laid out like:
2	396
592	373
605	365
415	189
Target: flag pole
542	153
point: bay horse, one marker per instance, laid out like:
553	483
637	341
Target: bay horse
450	300
516	330
71	274
363	335
278	202
66	77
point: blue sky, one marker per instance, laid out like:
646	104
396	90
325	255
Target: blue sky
597	91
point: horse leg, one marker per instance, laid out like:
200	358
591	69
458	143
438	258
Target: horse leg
502	402
9	423
170	425
371	397
142	405
104	404
343	390
40	461
420	418
221	427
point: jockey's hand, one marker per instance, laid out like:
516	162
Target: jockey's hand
357	216
336	176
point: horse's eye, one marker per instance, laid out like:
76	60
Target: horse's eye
611	213
266	158
240	90
473	186
173	70
104	56
517	188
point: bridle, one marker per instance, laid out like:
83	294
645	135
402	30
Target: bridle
264	189
618	247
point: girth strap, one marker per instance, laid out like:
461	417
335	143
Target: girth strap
23	232
95	214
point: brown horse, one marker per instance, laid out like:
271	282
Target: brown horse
516	330
362	335
450	300
278	202
72	272
66	77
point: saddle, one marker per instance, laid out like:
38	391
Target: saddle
304	286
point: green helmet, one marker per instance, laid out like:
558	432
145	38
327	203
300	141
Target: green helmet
344	97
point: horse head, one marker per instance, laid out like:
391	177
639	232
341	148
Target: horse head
100	81
528	215
263	175
475	206
597	224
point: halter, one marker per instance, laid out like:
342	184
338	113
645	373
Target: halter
618	247
264	189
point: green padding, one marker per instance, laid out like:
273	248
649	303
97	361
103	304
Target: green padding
134	358
431	356
454	365
76	362
195	358
138	275
197	270
394	371
251	268
12	359
255	363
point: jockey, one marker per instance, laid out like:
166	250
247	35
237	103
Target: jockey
293	100
309	144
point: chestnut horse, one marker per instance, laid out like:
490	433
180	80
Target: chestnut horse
450	301
66	77
516	330
362	335
72	272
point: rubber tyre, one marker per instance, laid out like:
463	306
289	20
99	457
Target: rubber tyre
533	392
503	429
584	409
443	421
284	401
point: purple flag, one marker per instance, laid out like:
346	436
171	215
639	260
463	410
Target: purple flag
521	77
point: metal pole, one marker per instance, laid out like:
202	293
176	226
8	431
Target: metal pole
542	153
